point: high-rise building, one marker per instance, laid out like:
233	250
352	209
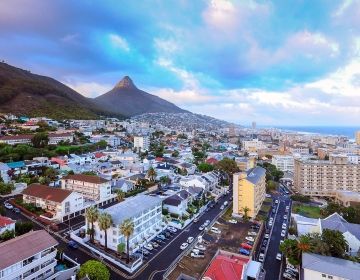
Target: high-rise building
253	125
357	137
283	162
248	191
142	142
326	177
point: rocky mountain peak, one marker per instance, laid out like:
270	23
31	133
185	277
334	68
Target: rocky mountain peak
126	82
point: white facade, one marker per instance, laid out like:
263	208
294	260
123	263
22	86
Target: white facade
253	145
283	163
142	142
146	214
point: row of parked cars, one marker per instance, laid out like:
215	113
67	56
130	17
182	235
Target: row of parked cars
7	205
291	272
158	240
247	245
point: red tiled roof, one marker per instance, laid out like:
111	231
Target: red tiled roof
14	137
5	221
86	178
211	161
48	193
99	155
226	268
159	159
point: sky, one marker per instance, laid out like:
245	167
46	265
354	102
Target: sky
274	62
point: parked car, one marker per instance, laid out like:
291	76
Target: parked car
285	217
73	245
201	228
145	252
200	247
16	210
283	233
291	267
252	233
246	246
196	220
184	246
263	248
167	234
149	247
198	252
288	276
193	255
293	273
215	230
190	239
8	206
154	244
222	207
265	241
276	201
244	252
250	238
268	195
279	256
267	236
207	222
232	221
249	242
161	236
261	257
284	226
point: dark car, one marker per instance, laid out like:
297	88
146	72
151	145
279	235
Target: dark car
263	248
73	245
167	234
265	242
249	243
16	210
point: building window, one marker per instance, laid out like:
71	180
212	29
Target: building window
323	275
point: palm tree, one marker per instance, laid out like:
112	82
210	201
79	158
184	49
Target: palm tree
105	222
120	195
127	229
92	214
246	211
151	174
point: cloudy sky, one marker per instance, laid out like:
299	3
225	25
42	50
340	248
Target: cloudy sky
274	62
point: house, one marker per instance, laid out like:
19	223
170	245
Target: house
6	224
91	187
56	138
59	204
123	185
17	139
17	167
319	267
144	211
33	256
231	266
177	203
351	232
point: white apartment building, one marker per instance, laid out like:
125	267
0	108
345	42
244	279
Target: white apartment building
325	177
253	145
111	140
32	256
16	139
145	212
283	162
91	187
56	138
142	142
58	203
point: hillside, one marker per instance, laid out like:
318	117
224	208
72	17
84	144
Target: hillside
24	93
126	99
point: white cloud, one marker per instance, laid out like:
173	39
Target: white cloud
90	89
119	42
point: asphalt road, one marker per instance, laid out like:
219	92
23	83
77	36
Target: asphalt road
156	263
271	265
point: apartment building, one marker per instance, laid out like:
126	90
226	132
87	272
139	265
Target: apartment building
56	138
91	187
357	137
325	177
283	162
33	256
249	191
16	139
146	213
142	142
253	145
59	204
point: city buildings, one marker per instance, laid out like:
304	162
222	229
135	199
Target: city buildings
325	177
142	142
253	145
59	204
283	162
145	212
91	187
248	191
33	256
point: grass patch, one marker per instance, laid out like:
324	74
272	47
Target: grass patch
268	200
228	214
307	211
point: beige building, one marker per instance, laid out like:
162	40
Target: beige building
325	177
248	191
357	137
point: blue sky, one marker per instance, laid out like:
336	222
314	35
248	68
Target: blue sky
274	62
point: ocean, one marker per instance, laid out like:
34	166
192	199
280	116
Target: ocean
326	130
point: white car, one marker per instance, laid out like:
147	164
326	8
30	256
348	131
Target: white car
250	238
222	207
283	226
279	256
252	233
270	223
276	201
283	233
190	239
215	230
172	229
193	255
148	247
207	222
200	247
285	217
288	276
291	267
184	246
8	206
261	257
267	195
201	228
267	236
232	221
281	241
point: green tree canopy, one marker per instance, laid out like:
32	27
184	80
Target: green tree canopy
40	140
94	270
205	167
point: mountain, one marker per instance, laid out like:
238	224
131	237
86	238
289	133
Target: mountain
126	99
24	93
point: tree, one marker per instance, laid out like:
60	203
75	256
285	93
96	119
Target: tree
94	270
270	186
6	188
228	166
7	234
92	214
40	140
50	174
105	222
2	211
127	229
336	242
121	248
205	167
290	250
120	195
246	211
175	153
23	227
164	180
151	173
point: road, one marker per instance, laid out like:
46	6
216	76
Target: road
155	264
271	265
